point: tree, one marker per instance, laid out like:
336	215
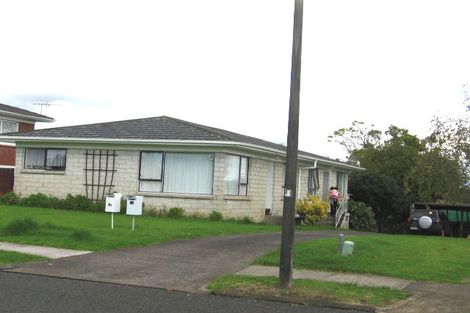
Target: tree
383	195
356	137
392	153
402	168
401	153
451	137
435	178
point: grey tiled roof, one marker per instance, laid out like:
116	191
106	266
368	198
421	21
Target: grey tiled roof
154	128
33	115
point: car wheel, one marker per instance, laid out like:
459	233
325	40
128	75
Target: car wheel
425	222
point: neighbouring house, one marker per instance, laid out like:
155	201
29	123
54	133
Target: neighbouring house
172	163
13	119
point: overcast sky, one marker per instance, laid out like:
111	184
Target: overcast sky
226	63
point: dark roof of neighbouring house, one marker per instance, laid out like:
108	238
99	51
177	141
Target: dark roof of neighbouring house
157	128
10	110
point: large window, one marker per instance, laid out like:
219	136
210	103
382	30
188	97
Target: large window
8	126
191	173
45	159
313	181
236	175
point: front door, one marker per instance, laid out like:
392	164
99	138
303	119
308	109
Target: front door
6	180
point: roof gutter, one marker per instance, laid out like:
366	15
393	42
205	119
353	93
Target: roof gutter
243	145
28	117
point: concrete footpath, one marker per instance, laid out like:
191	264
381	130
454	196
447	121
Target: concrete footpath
48	252
359	279
426	297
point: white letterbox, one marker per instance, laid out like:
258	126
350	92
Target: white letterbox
134	205
113	202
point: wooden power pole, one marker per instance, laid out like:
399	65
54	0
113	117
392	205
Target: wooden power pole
288	221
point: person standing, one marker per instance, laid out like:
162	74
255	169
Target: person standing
334	200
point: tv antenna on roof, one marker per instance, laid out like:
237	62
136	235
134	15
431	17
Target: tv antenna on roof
42	104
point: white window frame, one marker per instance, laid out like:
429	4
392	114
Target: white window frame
313	181
2	125
242	181
145	183
45	166
341	182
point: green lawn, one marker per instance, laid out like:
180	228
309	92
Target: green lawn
305	291
92	231
428	258
7	257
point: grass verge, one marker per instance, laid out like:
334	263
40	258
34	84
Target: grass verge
7	258
425	258
305	291
92	231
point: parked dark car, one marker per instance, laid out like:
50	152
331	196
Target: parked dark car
425	220
438	218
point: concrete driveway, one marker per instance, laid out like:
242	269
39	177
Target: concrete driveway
185	265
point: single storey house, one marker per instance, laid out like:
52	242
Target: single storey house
172	163
13	119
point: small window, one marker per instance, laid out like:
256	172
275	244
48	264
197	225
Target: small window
151	166
45	159
313	181
8	127
236	175
341	182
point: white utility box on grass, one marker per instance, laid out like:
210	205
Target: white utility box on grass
134	205
113	205
113	202
348	248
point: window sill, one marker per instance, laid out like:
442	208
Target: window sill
45	172
175	195
237	198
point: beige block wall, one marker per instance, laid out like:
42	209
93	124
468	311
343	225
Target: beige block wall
57	184
126	181
278	193
302	183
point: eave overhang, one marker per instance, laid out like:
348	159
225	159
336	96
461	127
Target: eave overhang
176	143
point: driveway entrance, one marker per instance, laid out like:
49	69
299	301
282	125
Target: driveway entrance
180	265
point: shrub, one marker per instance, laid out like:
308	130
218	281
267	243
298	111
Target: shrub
312	209
36	200
199	216
55	203
175	213
77	202
159	213
81	235
216	216
361	217
247	220
153	212
21	226
98	206
9	198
